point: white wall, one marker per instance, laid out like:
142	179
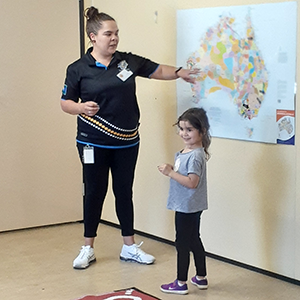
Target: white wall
40	171
254	210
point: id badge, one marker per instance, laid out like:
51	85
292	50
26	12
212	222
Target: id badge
88	155
124	74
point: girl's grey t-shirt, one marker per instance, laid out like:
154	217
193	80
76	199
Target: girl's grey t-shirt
181	198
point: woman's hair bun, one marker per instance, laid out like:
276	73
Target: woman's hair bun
91	12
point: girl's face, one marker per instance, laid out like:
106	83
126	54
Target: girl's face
191	136
107	38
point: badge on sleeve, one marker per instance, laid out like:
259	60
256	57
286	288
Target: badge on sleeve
64	91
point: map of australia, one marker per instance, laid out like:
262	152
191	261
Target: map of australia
247	60
233	64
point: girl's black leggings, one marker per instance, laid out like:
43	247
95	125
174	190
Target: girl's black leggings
188	240
121	163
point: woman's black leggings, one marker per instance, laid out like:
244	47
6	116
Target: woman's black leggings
188	240
121	163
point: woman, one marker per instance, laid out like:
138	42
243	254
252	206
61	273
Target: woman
100	89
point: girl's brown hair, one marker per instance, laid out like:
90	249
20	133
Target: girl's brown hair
199	120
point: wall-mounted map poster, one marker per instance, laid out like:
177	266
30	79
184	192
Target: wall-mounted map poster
247	61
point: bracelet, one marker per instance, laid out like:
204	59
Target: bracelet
178	70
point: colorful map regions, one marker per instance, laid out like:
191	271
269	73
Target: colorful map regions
232	64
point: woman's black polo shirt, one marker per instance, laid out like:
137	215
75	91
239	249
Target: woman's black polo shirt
116	123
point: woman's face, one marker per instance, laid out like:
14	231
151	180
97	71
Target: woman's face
107	39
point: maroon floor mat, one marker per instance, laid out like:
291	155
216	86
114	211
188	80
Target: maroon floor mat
125	294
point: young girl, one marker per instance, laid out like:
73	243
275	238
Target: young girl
188	197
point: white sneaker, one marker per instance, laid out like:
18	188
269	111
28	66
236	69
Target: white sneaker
85	258
134	253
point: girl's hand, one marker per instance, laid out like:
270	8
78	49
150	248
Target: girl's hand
165	169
